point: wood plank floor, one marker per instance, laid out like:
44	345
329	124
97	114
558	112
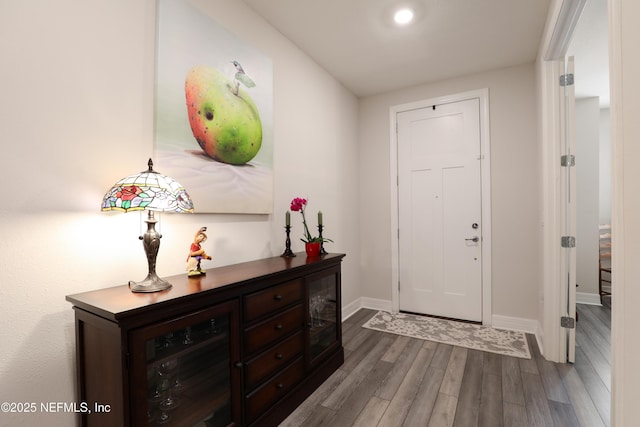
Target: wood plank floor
390	380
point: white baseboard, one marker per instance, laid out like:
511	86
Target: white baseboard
364	302
377	304
588	298
529	326
351	308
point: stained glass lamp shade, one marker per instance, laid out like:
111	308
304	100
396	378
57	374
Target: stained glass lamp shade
148	191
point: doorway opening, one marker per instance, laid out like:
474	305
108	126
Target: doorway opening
589	47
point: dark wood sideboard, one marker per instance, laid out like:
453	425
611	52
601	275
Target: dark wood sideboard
243	345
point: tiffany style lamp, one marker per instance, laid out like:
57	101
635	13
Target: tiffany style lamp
148	191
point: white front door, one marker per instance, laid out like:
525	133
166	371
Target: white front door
439	210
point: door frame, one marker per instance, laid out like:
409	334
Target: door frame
485	175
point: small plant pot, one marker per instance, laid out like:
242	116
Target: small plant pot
313	248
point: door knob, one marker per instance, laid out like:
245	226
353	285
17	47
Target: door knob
474	239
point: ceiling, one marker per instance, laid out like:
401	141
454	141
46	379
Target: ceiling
357	43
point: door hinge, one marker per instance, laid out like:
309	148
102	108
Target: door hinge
568	322
566	80
568	160
568	242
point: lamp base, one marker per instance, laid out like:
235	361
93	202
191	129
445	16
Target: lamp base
152	283
151	243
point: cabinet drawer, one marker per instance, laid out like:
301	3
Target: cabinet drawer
260	400
264	302
269	331
272	360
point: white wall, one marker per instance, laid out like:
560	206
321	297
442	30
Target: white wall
515	185
76	114
587	117
625	108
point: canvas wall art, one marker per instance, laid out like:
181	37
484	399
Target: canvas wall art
213	113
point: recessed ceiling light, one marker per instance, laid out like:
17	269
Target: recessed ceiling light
403	16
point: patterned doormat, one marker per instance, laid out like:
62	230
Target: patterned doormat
469	335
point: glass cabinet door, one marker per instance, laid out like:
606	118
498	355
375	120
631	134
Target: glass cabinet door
324	314
183	371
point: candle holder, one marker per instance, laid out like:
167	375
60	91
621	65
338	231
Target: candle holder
322	251
288	252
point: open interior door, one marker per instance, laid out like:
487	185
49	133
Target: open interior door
568	242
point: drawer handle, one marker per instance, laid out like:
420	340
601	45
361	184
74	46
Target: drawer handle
280	386
279	327
279	356
239	365
277	297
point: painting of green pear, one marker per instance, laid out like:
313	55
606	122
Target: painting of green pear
224	119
